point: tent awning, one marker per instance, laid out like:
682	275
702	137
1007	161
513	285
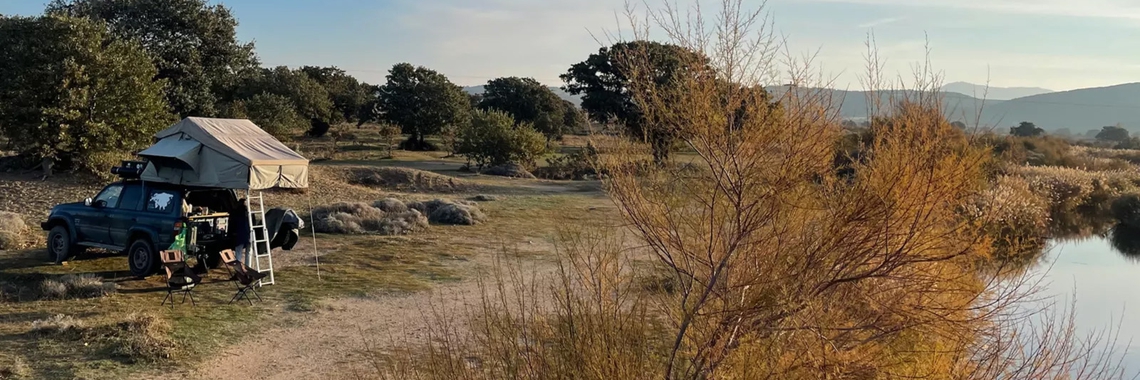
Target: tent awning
225	153
174	153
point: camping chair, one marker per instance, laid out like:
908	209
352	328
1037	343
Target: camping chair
179	277
244	277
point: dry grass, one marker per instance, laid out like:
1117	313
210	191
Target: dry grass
405	179
361	218
14	368
443	211
57	324
76	286
140	338
12	230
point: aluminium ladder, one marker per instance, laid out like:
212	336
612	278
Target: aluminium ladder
260	260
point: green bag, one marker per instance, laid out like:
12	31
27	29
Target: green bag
179	241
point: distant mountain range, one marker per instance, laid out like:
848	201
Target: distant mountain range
1077	110
993	93
577	99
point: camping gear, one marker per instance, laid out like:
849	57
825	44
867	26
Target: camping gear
244	277
230	154
179	277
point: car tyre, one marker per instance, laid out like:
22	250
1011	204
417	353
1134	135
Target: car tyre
59	245
142	258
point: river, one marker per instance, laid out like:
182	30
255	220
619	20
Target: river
1103	273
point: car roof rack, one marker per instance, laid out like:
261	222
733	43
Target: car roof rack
129	169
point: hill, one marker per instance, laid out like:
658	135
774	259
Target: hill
576	99
1078	110
993	93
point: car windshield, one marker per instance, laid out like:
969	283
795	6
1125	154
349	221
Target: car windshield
110	195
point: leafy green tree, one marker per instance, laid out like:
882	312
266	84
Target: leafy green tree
72	94
1026	129
275	114
192	43
604	79
527	101
573	119
493	138
422	102
308	97
348	95
1113	133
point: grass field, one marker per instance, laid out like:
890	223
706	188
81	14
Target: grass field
526	216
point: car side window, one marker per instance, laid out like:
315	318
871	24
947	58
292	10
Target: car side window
110	195
131	197
162	201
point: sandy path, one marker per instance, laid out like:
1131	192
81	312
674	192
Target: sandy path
330	343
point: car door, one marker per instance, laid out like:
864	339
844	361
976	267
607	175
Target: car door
91	223
126	214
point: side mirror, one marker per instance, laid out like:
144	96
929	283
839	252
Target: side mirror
87	202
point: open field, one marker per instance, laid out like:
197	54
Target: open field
375	282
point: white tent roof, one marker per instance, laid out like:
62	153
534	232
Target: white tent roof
226	153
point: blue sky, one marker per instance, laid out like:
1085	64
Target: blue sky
1056	44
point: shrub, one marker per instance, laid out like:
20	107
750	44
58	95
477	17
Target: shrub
1013	215
1126	210
509	169
76	286
56	324
390	205
406	179
140	338
12	222
484	198
492	139
443	211
53	289
360	218
10	240
575	166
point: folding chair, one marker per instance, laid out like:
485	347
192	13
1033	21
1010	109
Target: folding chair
244	277
179	277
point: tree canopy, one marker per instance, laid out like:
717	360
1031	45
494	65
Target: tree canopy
1112	133
421	101
348	95
73	94
1026	129
604	79
193	45
527	101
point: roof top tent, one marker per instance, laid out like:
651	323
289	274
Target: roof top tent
231	154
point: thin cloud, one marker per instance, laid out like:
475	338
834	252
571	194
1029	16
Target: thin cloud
880	22
1116	9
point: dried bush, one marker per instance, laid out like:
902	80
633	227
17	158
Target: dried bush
58	324
360	218
390	205
10	240
1013	215
455	212
53	289
12	222
139	338
76	286
406	179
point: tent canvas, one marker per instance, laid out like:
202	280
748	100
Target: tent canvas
225	153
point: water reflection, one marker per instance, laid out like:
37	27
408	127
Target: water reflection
1126	240
1087	261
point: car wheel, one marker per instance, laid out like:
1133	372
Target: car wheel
142	258
214	260
59	245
